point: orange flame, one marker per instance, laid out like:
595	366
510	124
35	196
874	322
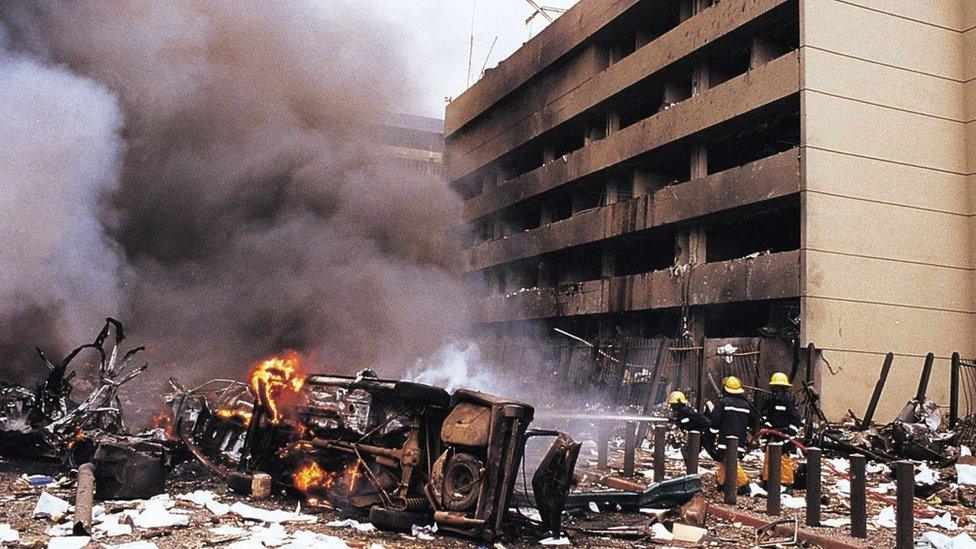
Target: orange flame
277	380
164	420
230	414
310	476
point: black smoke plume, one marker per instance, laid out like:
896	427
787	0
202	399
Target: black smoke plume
242	207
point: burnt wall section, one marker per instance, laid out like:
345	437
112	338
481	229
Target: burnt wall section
643	179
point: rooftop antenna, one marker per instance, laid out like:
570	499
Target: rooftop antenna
491	49
474	3
544	11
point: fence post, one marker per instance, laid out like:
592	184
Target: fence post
700	381
859	503
811	356
774	479
630	445
602	444
694	448
813	487
905	513
954	391
878	388
731	462
659	454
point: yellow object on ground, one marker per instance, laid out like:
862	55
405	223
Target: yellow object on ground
740	473
787	469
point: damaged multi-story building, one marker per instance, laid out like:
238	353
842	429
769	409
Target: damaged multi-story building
716	169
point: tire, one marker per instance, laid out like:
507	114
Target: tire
421	394
397	521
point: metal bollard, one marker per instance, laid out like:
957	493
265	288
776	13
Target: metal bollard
630	445
859	502
602	444
694	448
774	479
659	456
731	469
905	512
814	474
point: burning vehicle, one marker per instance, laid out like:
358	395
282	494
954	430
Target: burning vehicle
48	423
404	453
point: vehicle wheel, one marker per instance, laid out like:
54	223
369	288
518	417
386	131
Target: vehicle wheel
422	394
397	521
462	481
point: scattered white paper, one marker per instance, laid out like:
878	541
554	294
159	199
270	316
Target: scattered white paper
835	522
352	523
227	530
273	535
206	499
942	521
883	488
594	507
874	467
68	542
554	541
659	531
842	486
425	533
248	512
965	451
8	534
793	502
51	507
134	545
59	530
756	491
111	527
938	540
155	515
303	539
965	474
926	476
885	518
841	465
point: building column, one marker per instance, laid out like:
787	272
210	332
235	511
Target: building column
647	182
690	245
762	51
548	153
609	268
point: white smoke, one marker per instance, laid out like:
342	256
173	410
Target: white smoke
60	151
457	366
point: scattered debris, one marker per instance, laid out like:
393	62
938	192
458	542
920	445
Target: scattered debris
47	423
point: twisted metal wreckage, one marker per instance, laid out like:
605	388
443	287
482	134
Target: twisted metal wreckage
405	453
402	453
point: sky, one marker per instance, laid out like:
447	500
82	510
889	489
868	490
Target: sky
439	33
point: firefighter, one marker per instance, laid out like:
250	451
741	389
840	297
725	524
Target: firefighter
688	418
780	413
731	418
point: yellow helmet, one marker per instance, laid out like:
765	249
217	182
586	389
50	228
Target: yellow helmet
733	386
677	397
779	378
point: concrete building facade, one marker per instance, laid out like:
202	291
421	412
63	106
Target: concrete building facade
710	169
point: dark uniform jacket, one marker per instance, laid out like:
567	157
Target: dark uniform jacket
688	418
780	413
731	418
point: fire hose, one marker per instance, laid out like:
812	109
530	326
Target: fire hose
923	513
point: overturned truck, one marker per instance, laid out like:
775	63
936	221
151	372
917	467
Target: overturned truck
405	453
